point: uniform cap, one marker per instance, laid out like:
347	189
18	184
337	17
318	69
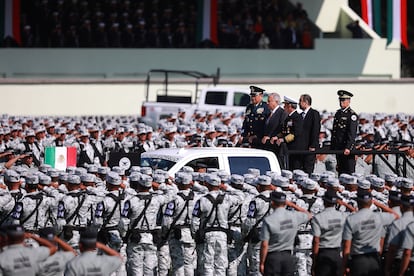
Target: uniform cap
236	179
254	90
92	168
53	172
45	180
187	169
315	176
278	197
11	176
88	235
88	178
364	184
280	181
30	133
407	200
288	100
145	181
253	171
63	176
44	168
394	196
286	173
146	170
47	233
32	179
333	182
212	170
120	171
406	183
390	177
134	177
224	176
264	180
309	184
158	178
213	180
378	182
183	178
249	179
135	169
330	196
15	230
103	170
364	195
113	178
343	94
74	179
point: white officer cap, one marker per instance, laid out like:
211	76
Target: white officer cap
145	181
280	181
213	180
113	178
88	178
364	184
253	171
236	179
44	179
11	176
32	179
264	180
74	179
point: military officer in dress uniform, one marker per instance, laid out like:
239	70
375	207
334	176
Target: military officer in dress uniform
344	133
255	118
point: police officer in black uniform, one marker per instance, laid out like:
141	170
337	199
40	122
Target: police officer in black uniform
255	118
344	133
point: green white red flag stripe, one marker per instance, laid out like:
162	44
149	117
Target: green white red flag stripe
207	20
60	157
10	19
397	21
371	14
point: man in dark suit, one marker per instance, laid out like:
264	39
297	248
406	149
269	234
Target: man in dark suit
274	123
310	132
291	135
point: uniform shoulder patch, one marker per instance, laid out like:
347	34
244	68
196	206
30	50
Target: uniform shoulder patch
196	210
61	210
99	210
252	209
169	210
125	210
17	211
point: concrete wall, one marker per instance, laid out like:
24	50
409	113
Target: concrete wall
126	98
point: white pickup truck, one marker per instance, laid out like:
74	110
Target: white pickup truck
232	160
212	98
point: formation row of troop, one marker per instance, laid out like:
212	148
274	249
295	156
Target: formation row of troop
212	223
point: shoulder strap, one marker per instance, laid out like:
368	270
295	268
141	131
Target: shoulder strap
39	200
147	203
77	207
117	200
309	201
215	202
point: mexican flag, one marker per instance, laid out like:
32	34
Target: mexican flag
207	20
371	14
10	19
397	21
60	157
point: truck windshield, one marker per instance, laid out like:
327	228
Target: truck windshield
157	163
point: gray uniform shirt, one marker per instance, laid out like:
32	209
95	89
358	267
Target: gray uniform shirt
89	263
55	264
328	226
396	232
365	228
280	228
21	260
408	239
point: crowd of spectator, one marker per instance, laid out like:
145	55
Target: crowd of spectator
160	24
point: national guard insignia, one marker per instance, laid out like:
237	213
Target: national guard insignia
169	211
100	209
125	210
61	210
17	212
196	210
252	209
353	117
